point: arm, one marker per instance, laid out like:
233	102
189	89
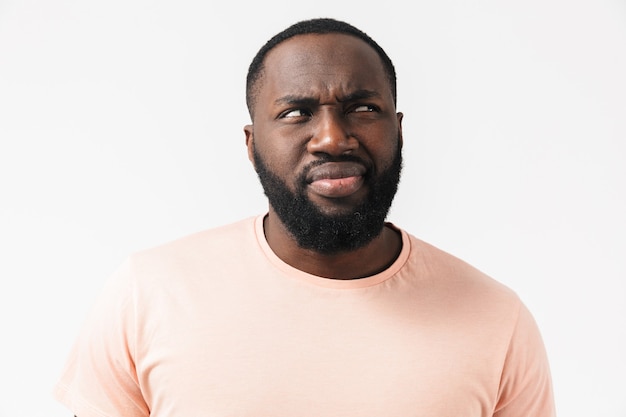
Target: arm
526	384
100	378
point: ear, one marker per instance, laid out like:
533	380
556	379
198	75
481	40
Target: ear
400	116
249	132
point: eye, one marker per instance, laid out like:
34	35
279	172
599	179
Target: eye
294	113
364	108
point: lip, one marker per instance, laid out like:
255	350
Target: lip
336	179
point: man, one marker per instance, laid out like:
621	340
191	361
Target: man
319	307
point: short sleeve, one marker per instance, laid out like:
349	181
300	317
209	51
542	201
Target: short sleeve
99	378
526	385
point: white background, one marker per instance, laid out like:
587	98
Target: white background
121	128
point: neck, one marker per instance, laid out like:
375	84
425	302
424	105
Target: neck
366	261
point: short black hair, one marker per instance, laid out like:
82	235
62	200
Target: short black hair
312	26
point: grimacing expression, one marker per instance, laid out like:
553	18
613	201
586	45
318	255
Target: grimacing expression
326	140
331	234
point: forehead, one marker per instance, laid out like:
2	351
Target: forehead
319	64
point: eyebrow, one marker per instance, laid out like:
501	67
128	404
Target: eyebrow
359	95
293	99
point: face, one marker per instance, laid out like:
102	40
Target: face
326	140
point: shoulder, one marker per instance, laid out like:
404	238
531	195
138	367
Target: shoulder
455	269
222	236
206	243
492	322
206	253
456	283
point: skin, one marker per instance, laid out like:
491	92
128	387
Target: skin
326	94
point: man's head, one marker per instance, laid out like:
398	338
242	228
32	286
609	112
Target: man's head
313	26
326	139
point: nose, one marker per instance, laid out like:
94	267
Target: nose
330	135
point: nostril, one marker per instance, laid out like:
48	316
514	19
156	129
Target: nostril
333	144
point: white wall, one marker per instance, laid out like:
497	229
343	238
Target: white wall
121	128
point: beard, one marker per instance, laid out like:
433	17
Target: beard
332	233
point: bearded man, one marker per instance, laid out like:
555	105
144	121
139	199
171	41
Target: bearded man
319	307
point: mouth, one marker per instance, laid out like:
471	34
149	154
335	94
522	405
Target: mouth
336	179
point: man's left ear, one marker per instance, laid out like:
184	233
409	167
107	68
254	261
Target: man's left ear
400	115
249	131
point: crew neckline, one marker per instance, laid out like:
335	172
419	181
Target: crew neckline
369	281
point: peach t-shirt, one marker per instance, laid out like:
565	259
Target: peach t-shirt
215	324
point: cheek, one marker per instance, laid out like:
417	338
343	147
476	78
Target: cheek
383	152
283	154
277	159
280	162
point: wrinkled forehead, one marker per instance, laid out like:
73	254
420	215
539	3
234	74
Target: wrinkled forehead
323	63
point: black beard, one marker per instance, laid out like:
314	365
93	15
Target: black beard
331	234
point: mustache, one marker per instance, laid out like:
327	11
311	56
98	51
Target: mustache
325	158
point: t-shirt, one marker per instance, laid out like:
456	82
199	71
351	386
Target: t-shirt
215	324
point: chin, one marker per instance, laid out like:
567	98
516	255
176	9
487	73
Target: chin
340	206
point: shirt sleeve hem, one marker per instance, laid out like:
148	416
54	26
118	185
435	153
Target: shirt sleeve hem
76	404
